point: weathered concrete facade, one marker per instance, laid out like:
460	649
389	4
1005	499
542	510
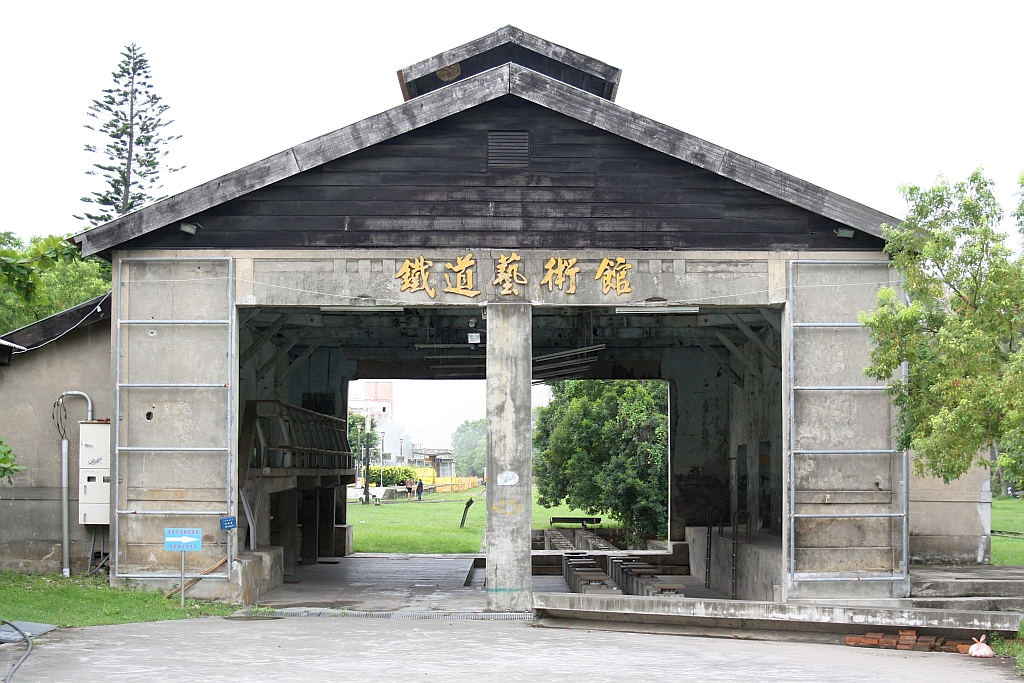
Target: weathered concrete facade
30	510
951	523
509	214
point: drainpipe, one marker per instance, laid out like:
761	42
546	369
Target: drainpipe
65	544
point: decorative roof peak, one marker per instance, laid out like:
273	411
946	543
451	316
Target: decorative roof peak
510	44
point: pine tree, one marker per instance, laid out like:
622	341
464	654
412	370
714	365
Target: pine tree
130	115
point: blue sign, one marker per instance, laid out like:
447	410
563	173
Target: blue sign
183	540
228	523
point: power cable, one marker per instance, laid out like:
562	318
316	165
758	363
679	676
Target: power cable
60	417
95	309
28	641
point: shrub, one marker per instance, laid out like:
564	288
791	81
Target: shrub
8	467
393	476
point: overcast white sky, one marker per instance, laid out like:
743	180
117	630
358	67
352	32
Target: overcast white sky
857	97
427	412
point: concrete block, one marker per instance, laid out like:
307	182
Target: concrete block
271	574
342	539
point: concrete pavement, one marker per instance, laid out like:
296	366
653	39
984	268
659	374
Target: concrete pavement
320	649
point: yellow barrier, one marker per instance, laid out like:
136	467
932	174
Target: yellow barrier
453	484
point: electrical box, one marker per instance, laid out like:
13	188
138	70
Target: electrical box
94	472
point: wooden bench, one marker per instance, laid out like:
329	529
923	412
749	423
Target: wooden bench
584	521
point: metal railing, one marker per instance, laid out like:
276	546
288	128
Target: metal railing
290	436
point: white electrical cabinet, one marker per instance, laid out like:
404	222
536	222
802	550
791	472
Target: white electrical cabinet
94	472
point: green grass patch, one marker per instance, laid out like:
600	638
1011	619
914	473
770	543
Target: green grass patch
1009	647
1007	515
432	526
90	601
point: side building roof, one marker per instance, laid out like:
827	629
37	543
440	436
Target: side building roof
53	327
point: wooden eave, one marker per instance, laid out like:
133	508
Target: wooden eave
508	79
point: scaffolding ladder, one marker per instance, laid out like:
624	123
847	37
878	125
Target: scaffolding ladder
121	450
795	577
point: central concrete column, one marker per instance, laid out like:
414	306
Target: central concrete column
509	449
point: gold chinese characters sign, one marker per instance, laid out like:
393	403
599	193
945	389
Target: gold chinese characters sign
559	273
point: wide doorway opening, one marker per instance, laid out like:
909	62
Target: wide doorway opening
374	403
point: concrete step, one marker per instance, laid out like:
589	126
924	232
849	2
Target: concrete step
973	581
966	588
739	616
985	604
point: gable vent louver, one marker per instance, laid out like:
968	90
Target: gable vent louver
508	149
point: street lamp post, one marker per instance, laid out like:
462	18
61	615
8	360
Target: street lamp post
364	458
382	459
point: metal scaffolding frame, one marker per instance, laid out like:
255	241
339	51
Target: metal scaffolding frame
794	452
123	282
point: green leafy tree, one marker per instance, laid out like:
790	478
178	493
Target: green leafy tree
603	449
8	466
358	434
130	117
469	448
57	282
959	331
21	268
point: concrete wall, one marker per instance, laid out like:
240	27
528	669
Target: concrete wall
699	438
760	571
30	510
950	523
702	435
755	418
842	439
165	421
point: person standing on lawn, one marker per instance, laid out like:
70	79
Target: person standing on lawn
419	490
408	487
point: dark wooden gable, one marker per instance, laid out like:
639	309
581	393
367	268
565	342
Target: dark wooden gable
583	187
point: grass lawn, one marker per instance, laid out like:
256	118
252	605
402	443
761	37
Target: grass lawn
431	526
90	601
1007	515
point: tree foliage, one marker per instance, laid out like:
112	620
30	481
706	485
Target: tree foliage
469	448
8	466
959	331
130	117
603	449
358	434
44	278
21	267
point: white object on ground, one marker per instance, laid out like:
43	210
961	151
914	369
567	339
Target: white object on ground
980	648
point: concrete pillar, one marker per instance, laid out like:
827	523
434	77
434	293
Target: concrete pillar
309	515
699	444
509	448
341	507
326	498
288	528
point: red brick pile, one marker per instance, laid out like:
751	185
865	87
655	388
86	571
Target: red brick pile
909	640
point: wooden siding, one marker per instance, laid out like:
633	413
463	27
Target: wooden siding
584	188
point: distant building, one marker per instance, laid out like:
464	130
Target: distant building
377	402
440	459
